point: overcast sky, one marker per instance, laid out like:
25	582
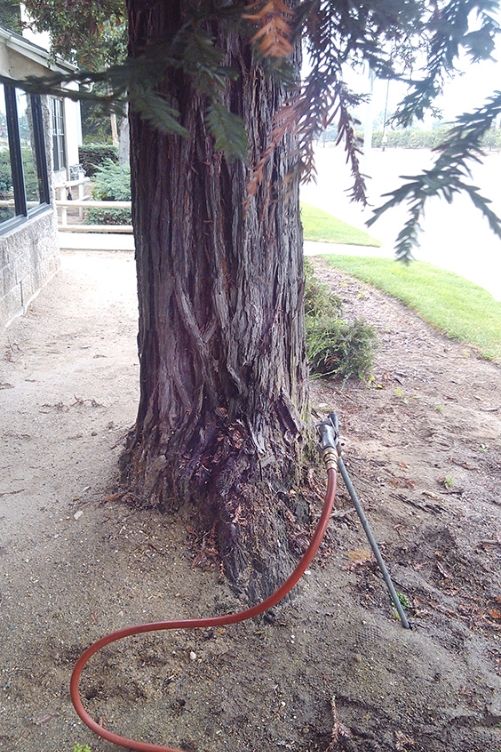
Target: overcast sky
468	89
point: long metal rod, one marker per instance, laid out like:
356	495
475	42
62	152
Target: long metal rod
370	537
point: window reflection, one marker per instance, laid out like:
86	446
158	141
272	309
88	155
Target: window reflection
23	168
28	149
7	206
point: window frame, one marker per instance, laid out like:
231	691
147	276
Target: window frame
16	161
58	136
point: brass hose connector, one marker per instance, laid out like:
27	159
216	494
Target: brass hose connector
330	457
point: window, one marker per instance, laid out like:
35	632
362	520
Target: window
7	203
24	184
58	147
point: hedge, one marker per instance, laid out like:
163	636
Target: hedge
92	156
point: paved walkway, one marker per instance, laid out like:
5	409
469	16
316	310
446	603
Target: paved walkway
486	274
94	241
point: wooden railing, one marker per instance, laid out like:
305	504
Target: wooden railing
65	226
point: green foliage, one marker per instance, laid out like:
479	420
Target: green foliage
448	482
492	139
92	156
81	748
447	177
321	226
409	138
108	217
458	308
30	175
5	172
111	183
155	109
29	172
340	349
10	16
91	33
335	348
416	138
418	42
5	184
96	127
404	599
227	130
318	298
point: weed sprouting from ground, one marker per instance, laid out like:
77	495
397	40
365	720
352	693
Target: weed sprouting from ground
405	601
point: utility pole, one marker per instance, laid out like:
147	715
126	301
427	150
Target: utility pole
369	111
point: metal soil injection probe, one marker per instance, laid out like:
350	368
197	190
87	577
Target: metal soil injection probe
330	439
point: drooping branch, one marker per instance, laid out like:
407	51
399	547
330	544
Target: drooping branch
448	176
417	42
449	23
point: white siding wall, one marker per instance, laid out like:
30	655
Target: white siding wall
73	130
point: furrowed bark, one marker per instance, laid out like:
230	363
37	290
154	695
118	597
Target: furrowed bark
221	345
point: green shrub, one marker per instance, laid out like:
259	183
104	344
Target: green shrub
335	348
318	299
5	172
30	175
81	748
409	138
338	348
108	217
112	182
92	156
416	138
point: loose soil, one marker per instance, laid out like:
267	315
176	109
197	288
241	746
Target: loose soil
334	670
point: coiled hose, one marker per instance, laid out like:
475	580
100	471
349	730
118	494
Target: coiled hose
211	621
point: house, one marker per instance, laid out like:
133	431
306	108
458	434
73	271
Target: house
39	138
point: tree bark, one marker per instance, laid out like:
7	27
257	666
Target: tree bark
221	419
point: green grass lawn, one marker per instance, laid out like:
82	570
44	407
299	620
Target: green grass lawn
453	305
322	226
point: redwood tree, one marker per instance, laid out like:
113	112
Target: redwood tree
221	131
221	420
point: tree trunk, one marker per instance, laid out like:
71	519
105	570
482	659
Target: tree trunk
221	420
124	141
114	129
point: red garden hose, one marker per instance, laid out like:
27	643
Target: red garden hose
211	621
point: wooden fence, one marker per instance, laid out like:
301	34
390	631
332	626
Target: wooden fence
65	226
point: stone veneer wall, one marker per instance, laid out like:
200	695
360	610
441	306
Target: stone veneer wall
29	258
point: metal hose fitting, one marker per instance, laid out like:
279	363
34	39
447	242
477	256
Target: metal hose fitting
330	458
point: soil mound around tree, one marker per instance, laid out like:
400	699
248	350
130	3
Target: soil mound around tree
333	671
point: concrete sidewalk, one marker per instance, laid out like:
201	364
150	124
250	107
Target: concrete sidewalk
486	275
95	241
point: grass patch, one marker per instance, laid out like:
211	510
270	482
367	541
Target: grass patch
321	226
458	308
336	348
319	300
340	349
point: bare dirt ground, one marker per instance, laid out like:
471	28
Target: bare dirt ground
423	446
